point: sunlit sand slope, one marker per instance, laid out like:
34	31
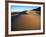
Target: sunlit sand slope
26	22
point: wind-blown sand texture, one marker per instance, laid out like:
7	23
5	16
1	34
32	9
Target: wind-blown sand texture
25	22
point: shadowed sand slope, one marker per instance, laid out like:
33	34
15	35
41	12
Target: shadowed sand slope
25	22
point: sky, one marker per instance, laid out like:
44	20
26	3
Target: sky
15	8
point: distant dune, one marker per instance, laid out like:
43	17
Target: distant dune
34	11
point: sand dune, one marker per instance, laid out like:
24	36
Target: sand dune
26	22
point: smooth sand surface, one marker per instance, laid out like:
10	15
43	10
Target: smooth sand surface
26	22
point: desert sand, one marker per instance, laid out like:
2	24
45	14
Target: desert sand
26	22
